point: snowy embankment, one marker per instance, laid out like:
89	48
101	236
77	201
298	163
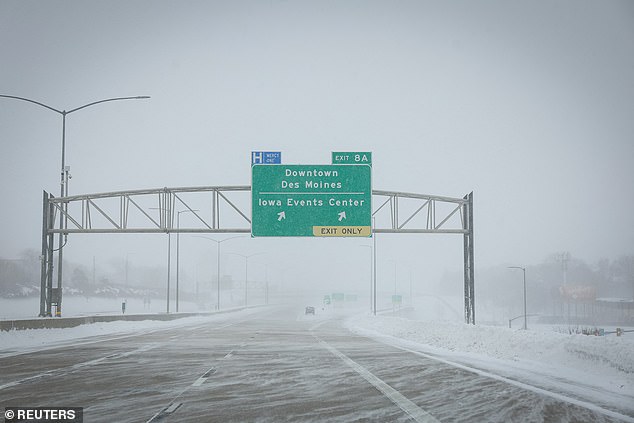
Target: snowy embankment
74	306
545	344
586	367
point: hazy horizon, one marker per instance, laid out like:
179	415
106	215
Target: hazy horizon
529	105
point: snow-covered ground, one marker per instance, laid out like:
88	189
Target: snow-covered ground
74	306
590	369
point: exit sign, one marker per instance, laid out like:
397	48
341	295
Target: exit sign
352	157
311	200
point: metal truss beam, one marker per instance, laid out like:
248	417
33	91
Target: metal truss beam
82	212
227	209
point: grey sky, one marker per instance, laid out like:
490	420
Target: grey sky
528	104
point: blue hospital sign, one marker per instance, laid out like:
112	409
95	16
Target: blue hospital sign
266	157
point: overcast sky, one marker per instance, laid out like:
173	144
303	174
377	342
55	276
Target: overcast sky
529	104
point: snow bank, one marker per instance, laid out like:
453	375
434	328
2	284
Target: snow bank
594	369
508	344
74	306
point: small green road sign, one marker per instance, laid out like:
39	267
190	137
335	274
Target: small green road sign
338	296
397	299
311	200
352	157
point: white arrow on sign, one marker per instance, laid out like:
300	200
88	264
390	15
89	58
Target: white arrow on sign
282	215
342	215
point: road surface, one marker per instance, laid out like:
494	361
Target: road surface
271	365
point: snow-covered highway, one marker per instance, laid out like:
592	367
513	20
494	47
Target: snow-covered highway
270	364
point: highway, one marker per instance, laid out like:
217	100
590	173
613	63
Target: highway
270	365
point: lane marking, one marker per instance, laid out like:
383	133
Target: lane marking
173	404
522	385
414	411
165	411
398	343
204	377
173	407
199	381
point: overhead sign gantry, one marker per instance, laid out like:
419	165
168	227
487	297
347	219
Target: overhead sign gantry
344	198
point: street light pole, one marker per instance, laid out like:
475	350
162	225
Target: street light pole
523	270
64	178
127	257
169	254
374	252
169	270
178	227
218	262
371	264
246	270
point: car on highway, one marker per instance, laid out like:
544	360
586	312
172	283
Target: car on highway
310	310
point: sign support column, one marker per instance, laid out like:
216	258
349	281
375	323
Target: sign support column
469	289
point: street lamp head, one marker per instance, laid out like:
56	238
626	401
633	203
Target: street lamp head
215	240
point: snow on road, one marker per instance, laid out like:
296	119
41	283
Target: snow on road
20	341
598	369
590	368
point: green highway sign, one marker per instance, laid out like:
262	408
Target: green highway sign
311	200
352	157
338	296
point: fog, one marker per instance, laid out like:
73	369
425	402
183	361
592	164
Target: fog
527	105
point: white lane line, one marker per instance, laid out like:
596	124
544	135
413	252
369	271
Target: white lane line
204	377
414	411
28	379
174	405
199	381
559	397
229	354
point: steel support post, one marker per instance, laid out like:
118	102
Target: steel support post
469	289
49	259
374	261
44	255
